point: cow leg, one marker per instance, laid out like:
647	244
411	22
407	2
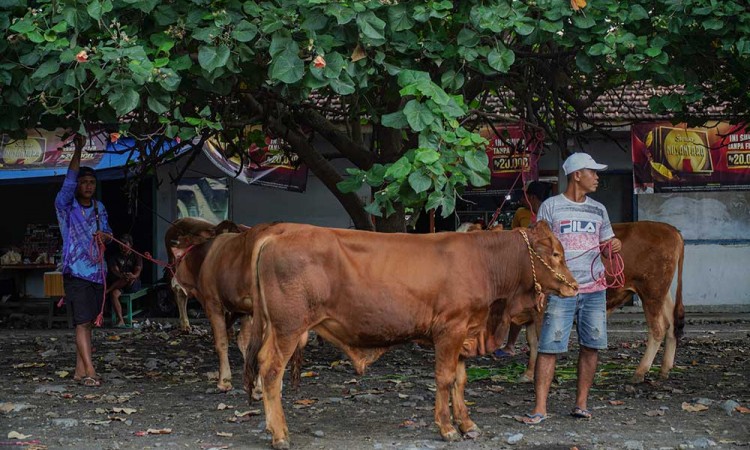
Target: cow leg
532	337
219	328
272	359
446	362
657	327
181	298
460	411
670	344
243	340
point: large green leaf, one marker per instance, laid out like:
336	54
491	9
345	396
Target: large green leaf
419	181
394	120
210	58
372	27
287	67
476	160
46	68
245	31
501	59
124	101
418	115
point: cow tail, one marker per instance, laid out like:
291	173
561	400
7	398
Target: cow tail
679	308
296	369
256	329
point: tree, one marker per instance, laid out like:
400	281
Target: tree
410	81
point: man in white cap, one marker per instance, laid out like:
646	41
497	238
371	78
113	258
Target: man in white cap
582	225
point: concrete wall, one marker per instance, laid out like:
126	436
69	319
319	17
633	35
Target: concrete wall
716	229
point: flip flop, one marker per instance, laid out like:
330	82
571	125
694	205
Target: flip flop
531	419
500	353
90	382
579	413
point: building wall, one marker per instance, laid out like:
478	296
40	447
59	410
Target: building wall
716	229
251	205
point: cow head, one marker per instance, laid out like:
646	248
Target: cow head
551	274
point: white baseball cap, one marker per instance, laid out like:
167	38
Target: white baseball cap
578	161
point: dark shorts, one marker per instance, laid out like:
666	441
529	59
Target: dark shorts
135	287
84	298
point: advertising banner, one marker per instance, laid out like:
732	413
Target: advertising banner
46	154
266	165
678	158
513	152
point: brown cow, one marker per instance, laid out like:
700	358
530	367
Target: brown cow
652	252
224	294
365	292
179	236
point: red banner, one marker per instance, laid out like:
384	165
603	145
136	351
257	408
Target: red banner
513	152
678	158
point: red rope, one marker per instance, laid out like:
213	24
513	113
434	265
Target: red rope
616	264
147	256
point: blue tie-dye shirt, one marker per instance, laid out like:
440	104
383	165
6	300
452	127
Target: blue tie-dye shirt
80	256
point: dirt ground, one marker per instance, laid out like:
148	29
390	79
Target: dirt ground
158	380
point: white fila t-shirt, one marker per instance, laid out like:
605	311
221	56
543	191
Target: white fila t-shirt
580	228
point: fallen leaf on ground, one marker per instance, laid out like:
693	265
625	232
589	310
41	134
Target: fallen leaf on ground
212	375
17	435
352	381
7	407
616	402
127	411
113	337
742	409
250	412
629	422
28	365
223	406
305	402
308	374
693	407
654	412
62	373
159	431
224	434
403	396
407	423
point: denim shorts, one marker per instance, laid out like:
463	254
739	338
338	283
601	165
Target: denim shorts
590	313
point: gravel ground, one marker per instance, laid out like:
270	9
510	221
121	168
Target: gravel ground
159	392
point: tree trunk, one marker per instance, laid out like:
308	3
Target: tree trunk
395	223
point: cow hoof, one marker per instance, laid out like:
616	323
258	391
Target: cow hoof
224	387
452	436
663	376
281	444
523	378
257	395
637	379
473	432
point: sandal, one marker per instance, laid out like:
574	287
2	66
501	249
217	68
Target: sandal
531	419
90	382
500	353
579	413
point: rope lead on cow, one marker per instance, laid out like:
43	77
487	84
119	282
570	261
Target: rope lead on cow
532	253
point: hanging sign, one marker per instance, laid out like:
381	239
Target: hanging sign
46	153
678	158
267	164
513	152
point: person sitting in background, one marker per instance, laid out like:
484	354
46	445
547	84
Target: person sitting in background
124	274
534	193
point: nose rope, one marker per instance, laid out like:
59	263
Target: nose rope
558	275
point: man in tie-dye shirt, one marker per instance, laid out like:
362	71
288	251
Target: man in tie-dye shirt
83	223
582	225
